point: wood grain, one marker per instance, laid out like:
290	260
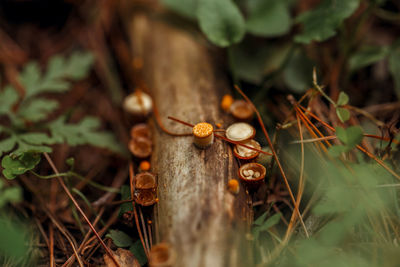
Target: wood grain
195	214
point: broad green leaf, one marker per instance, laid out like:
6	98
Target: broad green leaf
343	114
37	109
394	66
120	239
84	132
260	220
7	144
221	21
16	165
367	56
271	221
36	138
350	136
8	97
337	150
321	23
298	72
14	239
269	18
185	8
343	99
138	251
10	195
248	61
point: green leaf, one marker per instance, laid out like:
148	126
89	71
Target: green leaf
120	239
321	23
79	65
125	194
37	109
271	221
260	220
84	132
36	138
343	99
185	8
337	150
8	97
221	21
59	70
350	136
367	56
7	144
10	195
14	239
394	67
269	18
343	114
298	72
248	61
138	251
17	165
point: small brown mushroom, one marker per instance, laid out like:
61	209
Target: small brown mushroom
145	180
162	255
244	153
241	110
240	131
140	147
145	197
140	130
252	174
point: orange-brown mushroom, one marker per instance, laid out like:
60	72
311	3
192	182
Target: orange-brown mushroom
162	255
252	174
140	147
241	110
145	180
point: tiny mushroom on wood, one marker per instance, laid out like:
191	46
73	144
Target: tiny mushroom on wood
233	186
162	255
252	174
140	130
241	110
138	104
244	153
203	135
240	131
140	147
145	180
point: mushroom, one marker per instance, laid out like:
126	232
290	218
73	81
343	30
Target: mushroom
145	197
140	130
145	180
203	135
241	110
252	174
226	102
240	131
233	186
138	104
244	153
140	147
162	255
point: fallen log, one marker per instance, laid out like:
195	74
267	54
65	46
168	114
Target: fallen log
196	213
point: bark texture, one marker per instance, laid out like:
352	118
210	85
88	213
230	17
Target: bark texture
195	214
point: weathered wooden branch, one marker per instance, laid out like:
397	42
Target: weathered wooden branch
195	214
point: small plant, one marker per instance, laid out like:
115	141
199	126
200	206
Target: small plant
28	131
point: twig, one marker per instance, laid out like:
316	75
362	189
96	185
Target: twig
108	251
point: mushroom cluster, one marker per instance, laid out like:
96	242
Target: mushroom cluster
246	149
139	106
